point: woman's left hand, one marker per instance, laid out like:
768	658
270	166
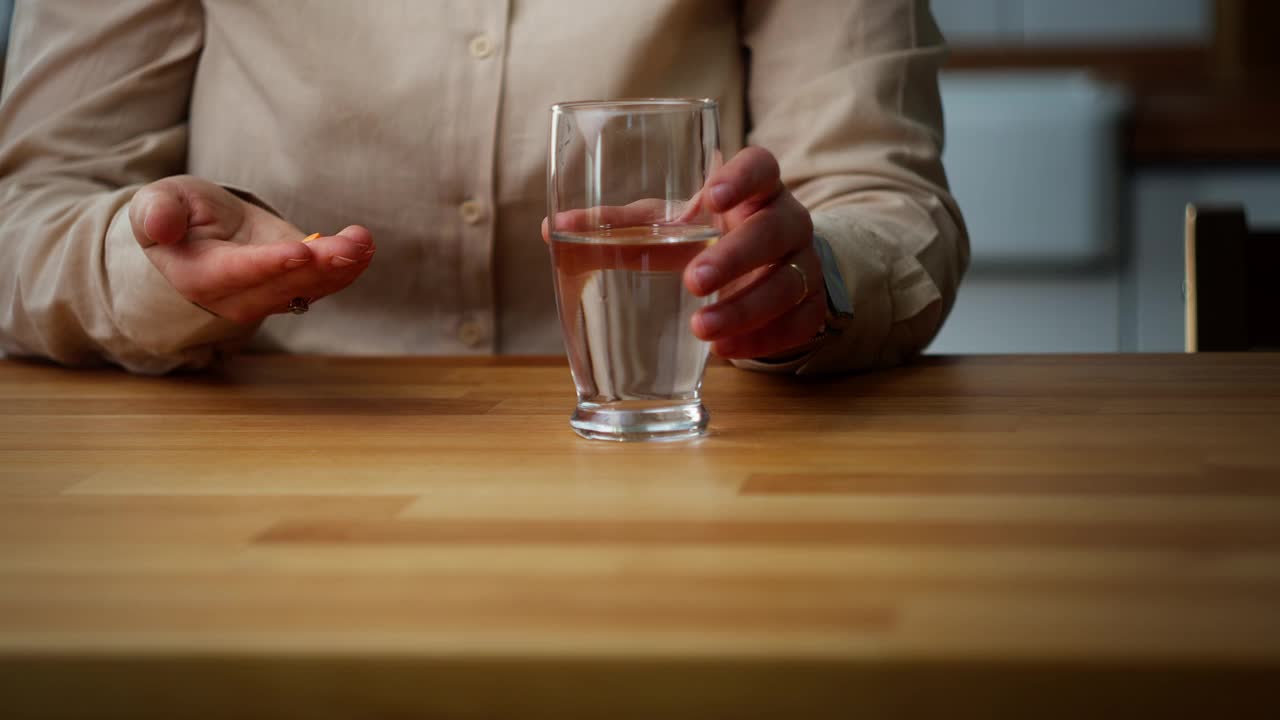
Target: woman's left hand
772	294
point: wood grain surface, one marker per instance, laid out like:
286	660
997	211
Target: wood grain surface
316	537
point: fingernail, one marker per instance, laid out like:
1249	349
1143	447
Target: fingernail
294	263
340	261
722	196
710	322
706	277
146	215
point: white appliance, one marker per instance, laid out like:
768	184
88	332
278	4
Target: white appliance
1035	162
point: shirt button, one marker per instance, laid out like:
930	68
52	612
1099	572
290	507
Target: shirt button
481	47
471	211
470	333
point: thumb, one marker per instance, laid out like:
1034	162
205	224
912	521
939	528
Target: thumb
158	213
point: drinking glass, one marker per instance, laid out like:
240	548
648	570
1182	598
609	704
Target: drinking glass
623	221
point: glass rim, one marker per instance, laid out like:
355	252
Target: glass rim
636	104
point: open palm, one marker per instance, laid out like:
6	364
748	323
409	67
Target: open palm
234	258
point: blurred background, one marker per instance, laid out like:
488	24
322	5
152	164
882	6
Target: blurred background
1078	131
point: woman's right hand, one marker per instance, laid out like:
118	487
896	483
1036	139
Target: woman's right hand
235	259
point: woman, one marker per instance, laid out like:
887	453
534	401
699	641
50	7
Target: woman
160	160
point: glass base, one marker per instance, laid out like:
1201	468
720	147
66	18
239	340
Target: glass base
632	422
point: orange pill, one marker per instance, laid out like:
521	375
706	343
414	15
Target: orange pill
311	237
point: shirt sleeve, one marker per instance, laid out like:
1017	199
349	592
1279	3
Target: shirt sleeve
94	106
845	94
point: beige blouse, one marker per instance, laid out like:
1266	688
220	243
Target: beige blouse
427	122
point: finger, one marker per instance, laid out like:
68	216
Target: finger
752	176
329	272
693	210
786	332
273	297
770	296
763	238
158	213
208	270
648	211
353	245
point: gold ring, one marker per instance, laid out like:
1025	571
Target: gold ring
804	282
299	305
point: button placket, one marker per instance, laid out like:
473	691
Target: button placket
483	72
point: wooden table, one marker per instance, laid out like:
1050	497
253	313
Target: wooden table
307	537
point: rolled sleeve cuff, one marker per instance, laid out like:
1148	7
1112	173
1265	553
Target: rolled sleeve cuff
162	330
881	291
